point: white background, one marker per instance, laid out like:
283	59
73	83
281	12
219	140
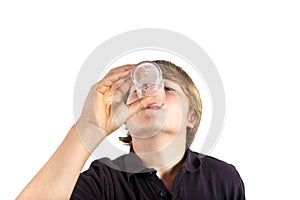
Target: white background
255	46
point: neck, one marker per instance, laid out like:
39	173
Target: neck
161	152
168	174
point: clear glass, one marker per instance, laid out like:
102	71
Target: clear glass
147	79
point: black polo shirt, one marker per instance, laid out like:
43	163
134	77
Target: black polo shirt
200	177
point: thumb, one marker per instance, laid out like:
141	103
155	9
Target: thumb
141	104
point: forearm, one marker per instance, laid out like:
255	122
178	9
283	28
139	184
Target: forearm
103	112
58	176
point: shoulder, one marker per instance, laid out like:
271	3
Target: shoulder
218	176
105	164
102	172
216	169
214	165
99	181
120	166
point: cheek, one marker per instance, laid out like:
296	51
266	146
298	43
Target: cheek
173	102
174	110
177	106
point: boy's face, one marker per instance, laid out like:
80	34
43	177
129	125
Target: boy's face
171	118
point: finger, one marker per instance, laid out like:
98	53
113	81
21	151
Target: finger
120	113
102	89
114	78
124	84
109	79
117	96
122	88
140	104
123	68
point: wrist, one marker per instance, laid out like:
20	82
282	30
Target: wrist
89	134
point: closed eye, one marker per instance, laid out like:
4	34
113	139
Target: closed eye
169	89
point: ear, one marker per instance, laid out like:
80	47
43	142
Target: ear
191	119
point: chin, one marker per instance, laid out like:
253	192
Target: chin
146	123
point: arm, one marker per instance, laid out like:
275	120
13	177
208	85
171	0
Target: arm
58	176
103	113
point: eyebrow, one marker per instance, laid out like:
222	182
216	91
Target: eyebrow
173	83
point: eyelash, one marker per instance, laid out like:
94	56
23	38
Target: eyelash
169	89
166	88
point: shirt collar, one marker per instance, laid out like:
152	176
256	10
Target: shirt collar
192	162
133	165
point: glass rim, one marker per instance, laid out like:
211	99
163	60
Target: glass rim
158	80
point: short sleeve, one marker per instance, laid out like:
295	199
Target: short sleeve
93	183
238	189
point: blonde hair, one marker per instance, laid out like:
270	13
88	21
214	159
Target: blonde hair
176	74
